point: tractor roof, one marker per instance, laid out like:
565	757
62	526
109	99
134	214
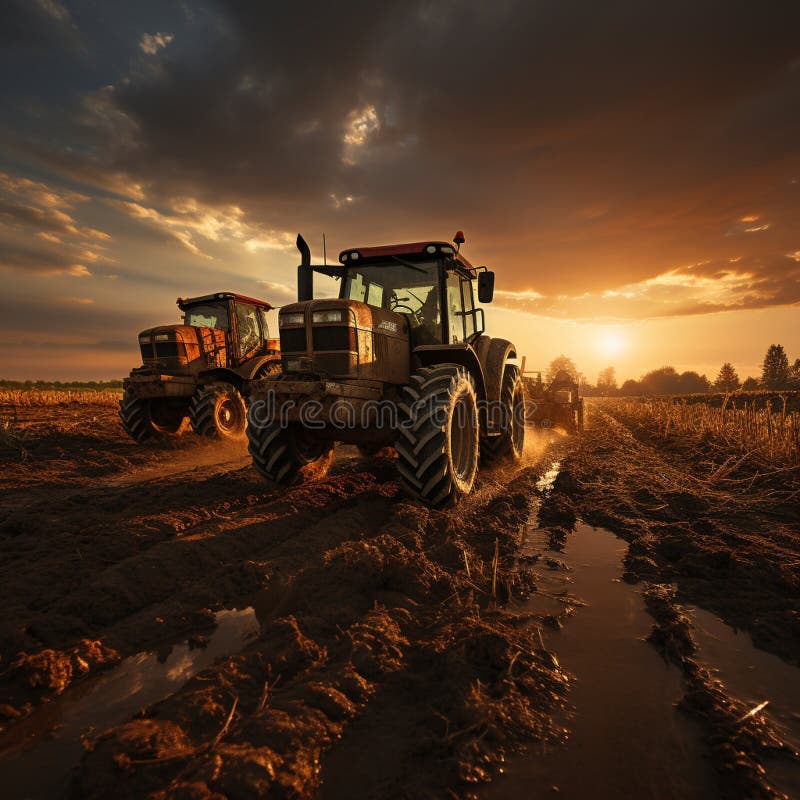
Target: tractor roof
411	250
185	302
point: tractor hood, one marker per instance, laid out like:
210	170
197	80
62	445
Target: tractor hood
344	339
183	349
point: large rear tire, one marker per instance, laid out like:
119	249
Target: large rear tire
218	411
288	454
509	444
437	446
134	412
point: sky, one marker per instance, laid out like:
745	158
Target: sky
630	169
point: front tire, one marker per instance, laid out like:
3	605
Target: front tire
218	411
134	413
437	447
287	454
509	444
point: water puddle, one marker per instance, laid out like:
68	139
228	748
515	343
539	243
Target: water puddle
627	739
38	754
754	676
750	674
545	483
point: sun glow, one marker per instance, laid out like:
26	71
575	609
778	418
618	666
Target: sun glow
611	343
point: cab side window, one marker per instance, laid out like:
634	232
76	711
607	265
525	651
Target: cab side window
247	321
455	308
262	316
469	307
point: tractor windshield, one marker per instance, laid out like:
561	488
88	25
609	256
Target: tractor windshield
411	289
208	315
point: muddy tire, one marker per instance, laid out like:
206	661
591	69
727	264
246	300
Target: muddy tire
437	446
270	368
288	455
509	444
218	411
134	412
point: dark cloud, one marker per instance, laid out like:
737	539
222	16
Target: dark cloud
38	26
583	146
42	260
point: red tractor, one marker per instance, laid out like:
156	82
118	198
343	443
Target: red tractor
399	358
194	373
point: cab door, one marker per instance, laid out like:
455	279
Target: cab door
455	309
460	308
248	331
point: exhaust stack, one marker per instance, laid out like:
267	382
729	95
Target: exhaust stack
305	275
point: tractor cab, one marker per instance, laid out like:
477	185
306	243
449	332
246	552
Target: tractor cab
233	321
396	304
429	283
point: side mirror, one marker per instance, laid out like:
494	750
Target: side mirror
485	287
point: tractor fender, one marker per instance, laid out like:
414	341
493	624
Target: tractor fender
250	368
461	354
497	353
222	375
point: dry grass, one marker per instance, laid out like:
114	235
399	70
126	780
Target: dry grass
12	439
58	397
765	439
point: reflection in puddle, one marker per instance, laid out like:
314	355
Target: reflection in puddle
545	483
627	739
37	755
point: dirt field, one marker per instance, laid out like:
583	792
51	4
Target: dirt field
175	627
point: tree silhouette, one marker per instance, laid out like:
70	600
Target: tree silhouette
794	374
562	363
751	385
775	369
664	380
607	381
727	379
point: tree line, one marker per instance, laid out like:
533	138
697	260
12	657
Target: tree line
777	374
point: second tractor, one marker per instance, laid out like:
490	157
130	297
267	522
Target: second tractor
194	373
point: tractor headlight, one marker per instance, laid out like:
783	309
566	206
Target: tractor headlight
144	340
285	320
161	337
334	315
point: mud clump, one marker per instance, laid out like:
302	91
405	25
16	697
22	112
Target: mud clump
50	672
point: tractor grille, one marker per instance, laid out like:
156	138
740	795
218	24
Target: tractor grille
171	353
293	340
341	364
168	350
331	337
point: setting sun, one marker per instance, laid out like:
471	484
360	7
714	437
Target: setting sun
611	343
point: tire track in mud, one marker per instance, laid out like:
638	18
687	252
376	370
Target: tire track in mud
380	604
148	579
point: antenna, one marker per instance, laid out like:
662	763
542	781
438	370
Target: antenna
324	251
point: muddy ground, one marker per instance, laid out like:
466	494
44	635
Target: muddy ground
397	651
